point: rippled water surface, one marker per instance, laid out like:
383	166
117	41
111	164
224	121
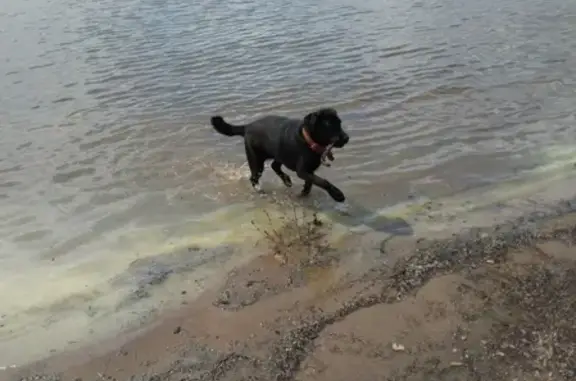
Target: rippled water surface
107	159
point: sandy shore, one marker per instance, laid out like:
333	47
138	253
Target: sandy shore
484	305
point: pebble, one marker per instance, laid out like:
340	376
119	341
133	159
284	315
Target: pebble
398	347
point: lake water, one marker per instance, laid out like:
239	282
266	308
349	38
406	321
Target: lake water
113	186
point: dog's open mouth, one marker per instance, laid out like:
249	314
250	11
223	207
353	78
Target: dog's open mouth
327	155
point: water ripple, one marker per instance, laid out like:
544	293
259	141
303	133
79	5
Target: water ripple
105	105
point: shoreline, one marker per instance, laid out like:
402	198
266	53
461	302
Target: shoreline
431	308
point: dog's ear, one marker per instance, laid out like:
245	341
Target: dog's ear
310	119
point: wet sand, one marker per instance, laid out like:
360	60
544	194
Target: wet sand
492	304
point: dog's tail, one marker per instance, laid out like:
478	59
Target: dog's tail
225	128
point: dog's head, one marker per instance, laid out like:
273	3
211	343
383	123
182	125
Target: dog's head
325	128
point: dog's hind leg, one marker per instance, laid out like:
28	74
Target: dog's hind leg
256	163
277	167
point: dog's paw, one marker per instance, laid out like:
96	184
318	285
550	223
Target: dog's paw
258	188
337	195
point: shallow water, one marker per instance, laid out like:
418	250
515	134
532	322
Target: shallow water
112	180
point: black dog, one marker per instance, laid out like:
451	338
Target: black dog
300	145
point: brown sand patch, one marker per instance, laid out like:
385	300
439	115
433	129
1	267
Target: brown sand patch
503	321
384	338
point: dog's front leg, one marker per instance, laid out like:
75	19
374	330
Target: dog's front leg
306	189
310	178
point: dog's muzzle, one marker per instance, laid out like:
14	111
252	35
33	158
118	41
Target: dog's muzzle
338	142
341	140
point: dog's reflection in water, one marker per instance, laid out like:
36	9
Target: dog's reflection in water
352	214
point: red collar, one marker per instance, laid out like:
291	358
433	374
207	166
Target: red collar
311	143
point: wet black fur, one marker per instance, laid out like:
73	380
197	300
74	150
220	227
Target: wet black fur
280	139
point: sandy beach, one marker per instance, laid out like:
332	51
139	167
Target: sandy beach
493	304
